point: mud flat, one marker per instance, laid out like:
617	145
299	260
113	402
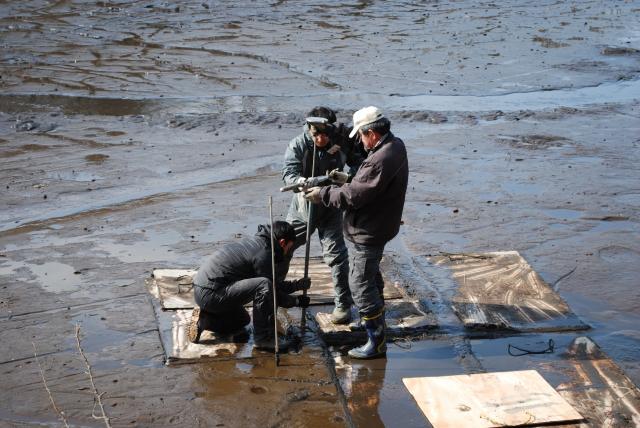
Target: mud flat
142	135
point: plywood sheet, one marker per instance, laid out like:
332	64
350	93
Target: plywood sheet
174	287
321	291
501	291
597	387
521	398
178	349
404	318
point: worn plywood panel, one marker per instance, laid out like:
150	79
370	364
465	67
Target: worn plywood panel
175	286
597	387
517	398
321	291
404	318
501	291
178	349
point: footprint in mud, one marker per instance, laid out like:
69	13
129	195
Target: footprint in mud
258	389
619	255
96	158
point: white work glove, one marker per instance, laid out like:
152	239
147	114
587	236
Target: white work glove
313	195
300	181
338	177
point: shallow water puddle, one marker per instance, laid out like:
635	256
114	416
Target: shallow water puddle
56	277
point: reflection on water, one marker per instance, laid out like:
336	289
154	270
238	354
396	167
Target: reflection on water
374	389
56	277
362	386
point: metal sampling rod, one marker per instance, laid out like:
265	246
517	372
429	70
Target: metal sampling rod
273	274
303	320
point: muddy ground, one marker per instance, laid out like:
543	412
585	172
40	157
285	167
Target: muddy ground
143	134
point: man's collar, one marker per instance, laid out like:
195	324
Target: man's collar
380	142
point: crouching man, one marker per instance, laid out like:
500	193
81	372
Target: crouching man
240	272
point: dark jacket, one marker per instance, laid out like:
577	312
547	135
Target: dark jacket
374	199
340	151
247	258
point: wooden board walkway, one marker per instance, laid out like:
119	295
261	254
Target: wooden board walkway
173	326
404	318
175	286
500	290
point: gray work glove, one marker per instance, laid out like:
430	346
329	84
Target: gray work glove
313	195
338	177
303	301
302	284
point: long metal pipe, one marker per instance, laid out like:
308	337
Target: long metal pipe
273	282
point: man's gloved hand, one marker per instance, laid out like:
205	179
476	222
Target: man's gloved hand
313	195
302	284
314	182
303	301
300	181
338	177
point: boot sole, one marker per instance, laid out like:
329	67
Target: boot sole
193	333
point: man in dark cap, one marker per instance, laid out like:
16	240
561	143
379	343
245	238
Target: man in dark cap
241	272
334	150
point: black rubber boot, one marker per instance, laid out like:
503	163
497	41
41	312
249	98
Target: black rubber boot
376	345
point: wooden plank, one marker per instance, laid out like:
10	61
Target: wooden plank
518	398
500	290
404	318
597	387
175	286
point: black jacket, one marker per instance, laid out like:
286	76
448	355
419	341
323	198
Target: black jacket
373	201
247	258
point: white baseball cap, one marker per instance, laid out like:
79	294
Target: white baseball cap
365	116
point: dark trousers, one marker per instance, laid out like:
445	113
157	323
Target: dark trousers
334	250
365	279
222	306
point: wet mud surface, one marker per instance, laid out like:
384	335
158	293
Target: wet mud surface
136	135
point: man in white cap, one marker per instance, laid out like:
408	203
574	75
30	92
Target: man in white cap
373	203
